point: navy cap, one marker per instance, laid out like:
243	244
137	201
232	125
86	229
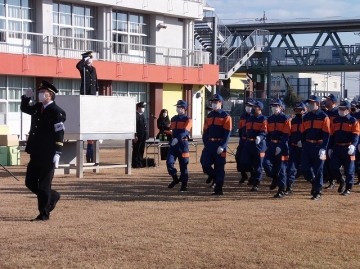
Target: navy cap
217	97
300	105
313	98
45	85
331	97
276	101
87	54
354	103
181	103
250	101
141	104
345	104
259	104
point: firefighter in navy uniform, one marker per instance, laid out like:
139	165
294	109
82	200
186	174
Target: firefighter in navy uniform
277	153
44	145
342	146
140	137
216	133
254	149
242	139
179	146
332	112
295	147
88	75
315	131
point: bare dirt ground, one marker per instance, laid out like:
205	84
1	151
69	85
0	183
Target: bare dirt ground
113	220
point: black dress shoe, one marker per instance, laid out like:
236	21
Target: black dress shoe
209	179
173	183
279	194
331	185
341	186
40	218
183	187
255	188
346	192
52	206
316	196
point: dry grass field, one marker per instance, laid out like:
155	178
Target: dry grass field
113	220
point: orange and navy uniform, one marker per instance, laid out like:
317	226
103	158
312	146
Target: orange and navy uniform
332	114
278	131
242	138
216	133
294	149
253	154
344	132
328	176
315	136
180	126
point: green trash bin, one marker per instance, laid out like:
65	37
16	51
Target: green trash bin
4	155
13	156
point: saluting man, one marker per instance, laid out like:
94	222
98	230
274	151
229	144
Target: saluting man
44	145
215	137
89	81
342	146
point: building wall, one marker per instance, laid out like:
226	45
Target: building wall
171	94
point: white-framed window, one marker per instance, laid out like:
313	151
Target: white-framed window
67	86
75	23
16	16
132	89
129	31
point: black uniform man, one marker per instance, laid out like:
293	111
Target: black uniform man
88	75
140	137
44	145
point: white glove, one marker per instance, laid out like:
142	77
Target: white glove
219	150
299	144
257	140
174	142
277	150
56	159
100	141
322	154
351	149
330	151
358	147
87	58
29	93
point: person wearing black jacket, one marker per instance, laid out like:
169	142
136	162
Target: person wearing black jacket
44	145
163	124
140	137
88	75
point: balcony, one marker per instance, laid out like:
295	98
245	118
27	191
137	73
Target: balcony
67	47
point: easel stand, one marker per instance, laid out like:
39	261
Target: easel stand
4	168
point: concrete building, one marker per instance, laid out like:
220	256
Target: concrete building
143	48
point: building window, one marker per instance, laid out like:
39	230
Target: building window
129	31
67	86
18	15
74	21
131	89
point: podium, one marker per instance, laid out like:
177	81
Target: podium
90	117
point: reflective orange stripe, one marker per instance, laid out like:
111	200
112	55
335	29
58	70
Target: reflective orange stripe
262	154
227	123
185	154
352	158
326	125
314	141
284	158
242	123
223	154
343	144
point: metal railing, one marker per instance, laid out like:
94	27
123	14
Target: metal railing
69	47
257	39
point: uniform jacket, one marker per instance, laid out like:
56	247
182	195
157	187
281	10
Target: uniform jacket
256	126
344	131
316	127
295	133
141	127
218	124
278	129
332	114
46	133
242	125
91	81
181	126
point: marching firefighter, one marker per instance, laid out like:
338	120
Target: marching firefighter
295	147
315	137
342	146
179	146
255	145
242	138
277	153
215	137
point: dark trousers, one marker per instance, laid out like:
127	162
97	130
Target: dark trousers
138	153
312	166
275	165
293	164
340	157
39	175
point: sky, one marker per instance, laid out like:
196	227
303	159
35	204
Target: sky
241	11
